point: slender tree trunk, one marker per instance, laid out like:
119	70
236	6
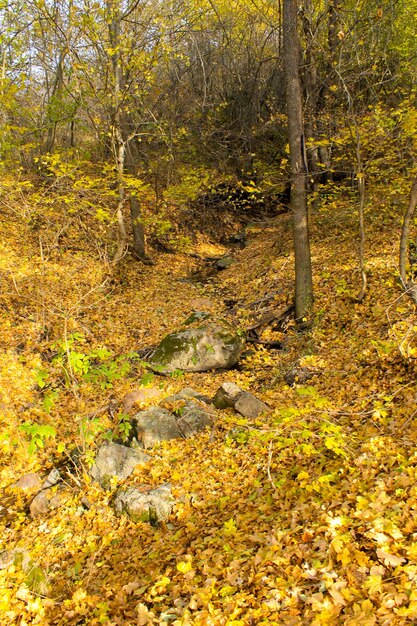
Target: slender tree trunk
118	142
361	215
72	134
56	95
303	275
311	98
120	153
123	145
333	29
360	175
135	210
409	287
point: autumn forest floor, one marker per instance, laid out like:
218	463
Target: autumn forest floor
305	516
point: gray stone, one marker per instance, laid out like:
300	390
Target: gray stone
224	262
158	424
226	395
193	418
53	478
154	425
240	238
115	460
244	402
249	405
207	346
145	506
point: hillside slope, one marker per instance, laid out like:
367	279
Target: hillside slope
304	516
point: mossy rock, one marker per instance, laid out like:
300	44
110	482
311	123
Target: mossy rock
207	346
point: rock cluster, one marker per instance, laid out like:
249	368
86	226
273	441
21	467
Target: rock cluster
180	416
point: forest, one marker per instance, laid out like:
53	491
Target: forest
208	289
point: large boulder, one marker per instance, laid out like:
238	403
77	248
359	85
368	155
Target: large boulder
202	344
145	506
116	461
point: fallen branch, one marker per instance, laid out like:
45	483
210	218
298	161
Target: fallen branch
267	298
271	316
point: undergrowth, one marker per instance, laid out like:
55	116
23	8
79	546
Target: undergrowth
304	516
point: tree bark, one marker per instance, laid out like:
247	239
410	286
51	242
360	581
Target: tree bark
122	143
311	97
120	155
409	287
52	119
139	249
303	274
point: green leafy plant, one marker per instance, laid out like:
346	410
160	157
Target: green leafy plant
49	400
90	428
124	426
38	434
147	379
98	366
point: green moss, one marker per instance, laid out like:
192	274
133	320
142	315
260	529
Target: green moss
197	316
229	338
170	345
187	347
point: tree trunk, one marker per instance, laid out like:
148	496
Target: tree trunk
135	209
56	96
311	98
123	140
409	287
120	155
118	142
303	275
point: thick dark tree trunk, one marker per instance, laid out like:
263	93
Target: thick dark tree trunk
303	275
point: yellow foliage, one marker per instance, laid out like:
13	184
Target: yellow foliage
304	516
